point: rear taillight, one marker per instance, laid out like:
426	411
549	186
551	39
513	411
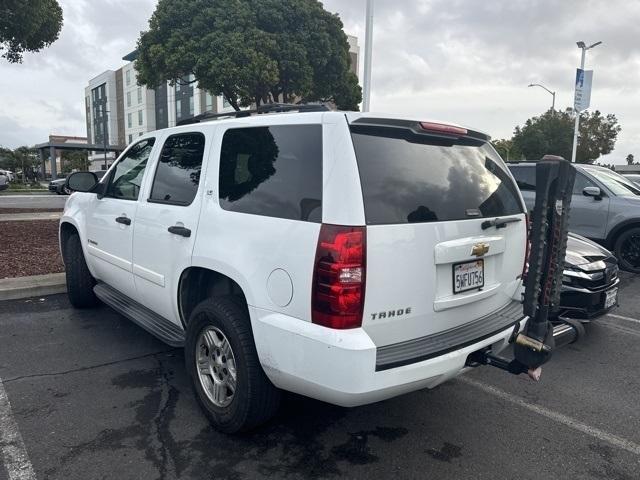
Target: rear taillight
337	297
527	248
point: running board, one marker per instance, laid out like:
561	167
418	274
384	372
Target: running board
153	323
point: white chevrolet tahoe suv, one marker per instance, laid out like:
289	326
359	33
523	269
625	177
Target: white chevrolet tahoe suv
347	257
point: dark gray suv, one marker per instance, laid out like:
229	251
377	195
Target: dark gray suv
605	207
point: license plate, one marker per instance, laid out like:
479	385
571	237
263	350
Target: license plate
611	298
468	276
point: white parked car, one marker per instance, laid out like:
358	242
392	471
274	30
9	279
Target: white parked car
342	256
9	174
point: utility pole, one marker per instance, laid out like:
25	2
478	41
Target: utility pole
368	47
576	128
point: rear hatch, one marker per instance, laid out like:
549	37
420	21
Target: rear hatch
427	190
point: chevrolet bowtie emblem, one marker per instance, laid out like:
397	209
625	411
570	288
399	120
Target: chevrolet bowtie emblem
479	249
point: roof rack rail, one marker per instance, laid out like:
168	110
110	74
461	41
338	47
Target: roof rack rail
266	108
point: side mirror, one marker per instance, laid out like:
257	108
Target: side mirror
82	181
592	192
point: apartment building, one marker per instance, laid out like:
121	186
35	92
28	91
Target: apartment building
118	110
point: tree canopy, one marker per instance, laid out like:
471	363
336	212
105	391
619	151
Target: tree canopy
28	26
552	133
20	159
507	149
250	51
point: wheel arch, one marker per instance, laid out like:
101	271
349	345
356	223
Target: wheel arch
198	283
66	229
619	229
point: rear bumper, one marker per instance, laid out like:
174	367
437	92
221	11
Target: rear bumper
339	367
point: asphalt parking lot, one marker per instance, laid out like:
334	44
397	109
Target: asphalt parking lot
92	396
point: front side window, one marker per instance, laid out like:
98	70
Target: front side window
581	182
127	176
615	182
178	173
525	176
273	171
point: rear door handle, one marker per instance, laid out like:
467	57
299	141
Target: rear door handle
123	220
182	231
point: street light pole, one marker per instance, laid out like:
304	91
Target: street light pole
368	46
553	94
576	127
104	136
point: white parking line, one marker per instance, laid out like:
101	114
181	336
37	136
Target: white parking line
620	317
14	454
594	432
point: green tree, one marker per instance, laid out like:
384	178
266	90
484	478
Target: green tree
250	51
22	159
552	133
74	160
7	160
507	149
28	26
629	159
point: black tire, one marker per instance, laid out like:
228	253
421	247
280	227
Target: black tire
80	282
627	250
66	190
255	399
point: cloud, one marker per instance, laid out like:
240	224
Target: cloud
460	60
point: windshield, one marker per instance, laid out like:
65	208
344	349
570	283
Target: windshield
615	182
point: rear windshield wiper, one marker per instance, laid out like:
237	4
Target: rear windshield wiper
499	222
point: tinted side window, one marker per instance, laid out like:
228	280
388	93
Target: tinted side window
178	173
127	176
273	171
525	176
580	183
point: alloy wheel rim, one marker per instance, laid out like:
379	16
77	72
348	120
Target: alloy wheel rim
216	366
630	251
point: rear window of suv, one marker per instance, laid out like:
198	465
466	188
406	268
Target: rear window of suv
414	178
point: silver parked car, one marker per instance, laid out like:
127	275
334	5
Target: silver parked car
634	177
605	207
4	182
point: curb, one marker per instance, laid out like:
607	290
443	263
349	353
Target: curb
35	286
18	217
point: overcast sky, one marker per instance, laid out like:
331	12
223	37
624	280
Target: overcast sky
466	61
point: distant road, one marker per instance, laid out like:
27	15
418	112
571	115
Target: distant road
32	201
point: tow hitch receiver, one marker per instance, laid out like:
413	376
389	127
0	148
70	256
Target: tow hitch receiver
564	333
543	279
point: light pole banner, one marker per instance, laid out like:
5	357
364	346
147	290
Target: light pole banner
582	97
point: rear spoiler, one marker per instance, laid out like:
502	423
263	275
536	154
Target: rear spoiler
442	130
